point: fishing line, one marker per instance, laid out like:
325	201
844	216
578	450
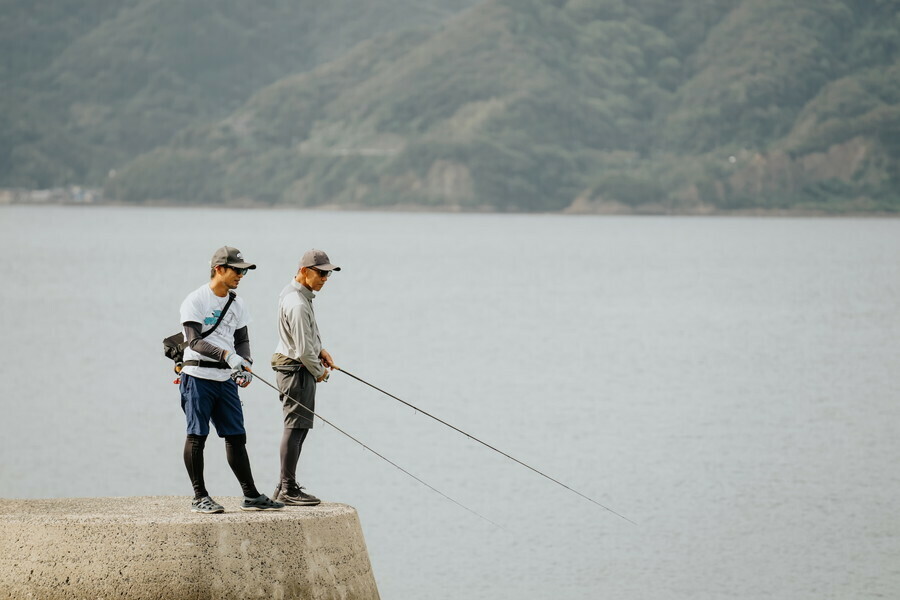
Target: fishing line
483	443
381	456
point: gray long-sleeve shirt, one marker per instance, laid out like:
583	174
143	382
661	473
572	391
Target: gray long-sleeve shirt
298	333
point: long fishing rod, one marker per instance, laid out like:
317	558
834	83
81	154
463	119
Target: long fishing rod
381	456
483	443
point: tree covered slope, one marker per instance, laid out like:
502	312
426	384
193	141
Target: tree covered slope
688	106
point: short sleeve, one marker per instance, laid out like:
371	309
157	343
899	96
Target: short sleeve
191	311
243	317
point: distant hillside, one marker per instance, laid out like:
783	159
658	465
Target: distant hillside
90	84
689	106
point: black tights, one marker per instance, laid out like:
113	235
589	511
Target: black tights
291	444
238	460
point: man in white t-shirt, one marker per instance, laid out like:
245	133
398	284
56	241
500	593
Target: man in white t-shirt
216	362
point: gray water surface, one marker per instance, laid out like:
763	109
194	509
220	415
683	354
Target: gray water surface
728	384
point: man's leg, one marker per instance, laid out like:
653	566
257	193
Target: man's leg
291	446
239	461
193	461
299	402
196	402
288	490
228	417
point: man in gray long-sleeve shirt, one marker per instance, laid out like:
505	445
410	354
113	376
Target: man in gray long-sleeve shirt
300	363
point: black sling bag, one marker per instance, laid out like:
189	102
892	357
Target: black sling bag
174	345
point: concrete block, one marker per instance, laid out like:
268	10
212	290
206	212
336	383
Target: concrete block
155	548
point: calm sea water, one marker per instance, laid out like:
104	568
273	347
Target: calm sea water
728	384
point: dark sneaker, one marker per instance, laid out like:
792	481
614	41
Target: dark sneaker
295	496
206	505
260	503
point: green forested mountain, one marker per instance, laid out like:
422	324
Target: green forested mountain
581	105
89	85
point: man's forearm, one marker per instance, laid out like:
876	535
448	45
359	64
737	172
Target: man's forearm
242	343
304	337
312	363
200	345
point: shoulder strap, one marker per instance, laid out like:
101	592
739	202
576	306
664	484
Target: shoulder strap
178	343
231	297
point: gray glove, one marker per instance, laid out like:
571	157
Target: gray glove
242	378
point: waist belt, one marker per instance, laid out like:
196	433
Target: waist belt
288	368
211	364
285	364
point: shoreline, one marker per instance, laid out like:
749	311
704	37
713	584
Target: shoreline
483	210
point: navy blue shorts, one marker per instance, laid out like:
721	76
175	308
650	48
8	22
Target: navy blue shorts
203	400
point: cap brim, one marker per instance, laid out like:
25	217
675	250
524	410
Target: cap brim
242	265
327	267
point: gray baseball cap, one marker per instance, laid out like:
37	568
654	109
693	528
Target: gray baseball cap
318	259
230	257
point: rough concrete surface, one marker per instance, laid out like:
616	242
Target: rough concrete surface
155	548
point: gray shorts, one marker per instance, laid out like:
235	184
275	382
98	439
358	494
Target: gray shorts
301	387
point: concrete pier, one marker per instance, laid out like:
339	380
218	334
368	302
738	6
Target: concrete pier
155	548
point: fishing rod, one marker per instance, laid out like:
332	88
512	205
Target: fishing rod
483	443
381	456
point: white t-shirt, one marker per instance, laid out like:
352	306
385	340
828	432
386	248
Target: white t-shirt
204	307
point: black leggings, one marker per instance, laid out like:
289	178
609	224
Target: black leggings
291	445
238	460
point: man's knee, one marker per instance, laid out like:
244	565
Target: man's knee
197	441
236	440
